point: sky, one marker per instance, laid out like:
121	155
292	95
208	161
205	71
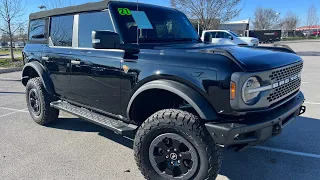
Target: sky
300	7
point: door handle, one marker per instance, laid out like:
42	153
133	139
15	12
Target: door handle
45	58
77	62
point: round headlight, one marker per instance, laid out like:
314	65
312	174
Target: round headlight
248	97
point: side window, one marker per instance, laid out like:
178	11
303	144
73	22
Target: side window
226	35
92	22
219	35
61	30
37	29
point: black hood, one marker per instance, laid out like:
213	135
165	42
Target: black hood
250	58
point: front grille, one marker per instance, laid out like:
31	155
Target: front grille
281	74
284	90
288	88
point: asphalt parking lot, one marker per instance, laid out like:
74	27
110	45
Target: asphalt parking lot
74	149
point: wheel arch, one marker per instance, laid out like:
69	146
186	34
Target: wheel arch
35	69
202	107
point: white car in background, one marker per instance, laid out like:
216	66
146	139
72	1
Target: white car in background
227	37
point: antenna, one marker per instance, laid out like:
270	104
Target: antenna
137	24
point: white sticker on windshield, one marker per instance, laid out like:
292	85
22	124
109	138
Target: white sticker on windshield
141	19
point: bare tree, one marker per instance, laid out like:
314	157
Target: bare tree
290	21
312	18
22	32
10	13
208	12
51	4
266	19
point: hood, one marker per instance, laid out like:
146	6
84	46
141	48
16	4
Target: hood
250	59
247	39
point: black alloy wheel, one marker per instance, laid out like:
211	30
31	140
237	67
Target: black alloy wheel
34	101
172	156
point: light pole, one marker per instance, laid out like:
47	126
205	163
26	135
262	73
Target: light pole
42	7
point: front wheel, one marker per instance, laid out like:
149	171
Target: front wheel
173	144
38	102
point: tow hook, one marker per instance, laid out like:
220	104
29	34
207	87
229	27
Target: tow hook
302	110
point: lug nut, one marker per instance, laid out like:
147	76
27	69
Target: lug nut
180	155
168	150
167	157
175	149
178	161
172	163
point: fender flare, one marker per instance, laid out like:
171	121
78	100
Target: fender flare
197	101
43	74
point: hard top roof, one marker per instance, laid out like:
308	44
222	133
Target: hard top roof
95	6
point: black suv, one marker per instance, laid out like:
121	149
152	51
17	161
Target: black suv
141	71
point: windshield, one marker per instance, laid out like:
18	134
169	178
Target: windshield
234	34
156	24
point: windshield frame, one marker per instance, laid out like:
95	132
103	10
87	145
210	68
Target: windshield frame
127	39
233	34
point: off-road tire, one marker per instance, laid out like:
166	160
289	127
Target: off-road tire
47	114
186	125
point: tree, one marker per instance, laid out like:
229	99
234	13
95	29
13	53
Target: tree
266	19
290	21
22	32
51	4
10	13
312	18
208	11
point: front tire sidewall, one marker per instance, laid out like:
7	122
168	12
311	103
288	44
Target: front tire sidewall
36	118
202	168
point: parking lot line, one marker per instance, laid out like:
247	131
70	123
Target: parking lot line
288	152
8	114
23	110
313	103
11	79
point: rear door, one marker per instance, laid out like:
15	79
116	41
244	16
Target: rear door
96	74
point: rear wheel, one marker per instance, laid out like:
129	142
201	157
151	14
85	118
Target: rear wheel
173	144
38	102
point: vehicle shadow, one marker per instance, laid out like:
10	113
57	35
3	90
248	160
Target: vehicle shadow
251	164
76	124
309	53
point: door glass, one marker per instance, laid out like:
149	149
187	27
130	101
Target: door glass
97	21
61	30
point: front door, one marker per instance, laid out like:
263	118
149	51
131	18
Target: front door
96	74
221	38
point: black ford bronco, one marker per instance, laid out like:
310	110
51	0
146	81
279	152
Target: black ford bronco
141	71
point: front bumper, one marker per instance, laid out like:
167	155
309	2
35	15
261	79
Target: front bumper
258	127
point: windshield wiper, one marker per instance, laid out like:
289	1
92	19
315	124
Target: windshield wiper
186	39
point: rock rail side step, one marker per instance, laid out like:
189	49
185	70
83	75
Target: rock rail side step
117	126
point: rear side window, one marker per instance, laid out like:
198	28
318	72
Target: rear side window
92	22
37	30
61	30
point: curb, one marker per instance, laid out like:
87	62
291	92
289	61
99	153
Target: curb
298	41
9	70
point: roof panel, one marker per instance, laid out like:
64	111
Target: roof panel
95	6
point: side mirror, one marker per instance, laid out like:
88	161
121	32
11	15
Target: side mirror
230	37
105	40
207	37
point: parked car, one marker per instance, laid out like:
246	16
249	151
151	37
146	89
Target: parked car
147	75
227	37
